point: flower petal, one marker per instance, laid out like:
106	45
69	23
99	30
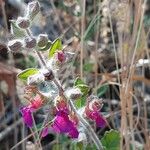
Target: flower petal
74	133
100	121
27	117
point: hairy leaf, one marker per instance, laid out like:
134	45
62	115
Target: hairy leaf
16	31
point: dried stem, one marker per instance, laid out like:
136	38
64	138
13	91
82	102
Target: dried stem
82	37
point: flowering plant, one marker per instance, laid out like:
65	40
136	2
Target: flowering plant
66	104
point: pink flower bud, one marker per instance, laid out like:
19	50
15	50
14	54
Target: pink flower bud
61	57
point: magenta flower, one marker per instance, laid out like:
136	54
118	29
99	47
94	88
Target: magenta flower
92	111
97	117
62	124
27	116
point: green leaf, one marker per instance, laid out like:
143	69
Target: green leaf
47	47
57	147
88	67
80	102
27	72
102	90
111	140
16	31
84	88
78	81
79	146
56	46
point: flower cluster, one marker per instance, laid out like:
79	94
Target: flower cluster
64	121
35	103
66	117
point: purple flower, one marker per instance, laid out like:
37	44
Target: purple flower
97	117
92	111
26	114
62	124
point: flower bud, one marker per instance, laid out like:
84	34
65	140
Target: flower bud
61	57
30	42
95	103
42	40
74	93
48	74
35	79
23	23
60	103
33	9
15	45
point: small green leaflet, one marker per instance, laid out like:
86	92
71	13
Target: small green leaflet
27	72
56	46
78	81
16	31
102	90
47	47
111	140
84	89
82	86
80	102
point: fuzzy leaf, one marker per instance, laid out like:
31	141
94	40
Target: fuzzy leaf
111	140
56	46
102	90
16	31
27	72
47	47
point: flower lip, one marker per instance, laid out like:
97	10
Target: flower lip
62	124
27	116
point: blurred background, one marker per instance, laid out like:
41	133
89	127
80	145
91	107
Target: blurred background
104	35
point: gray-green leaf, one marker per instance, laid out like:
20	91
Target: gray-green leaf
16	31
